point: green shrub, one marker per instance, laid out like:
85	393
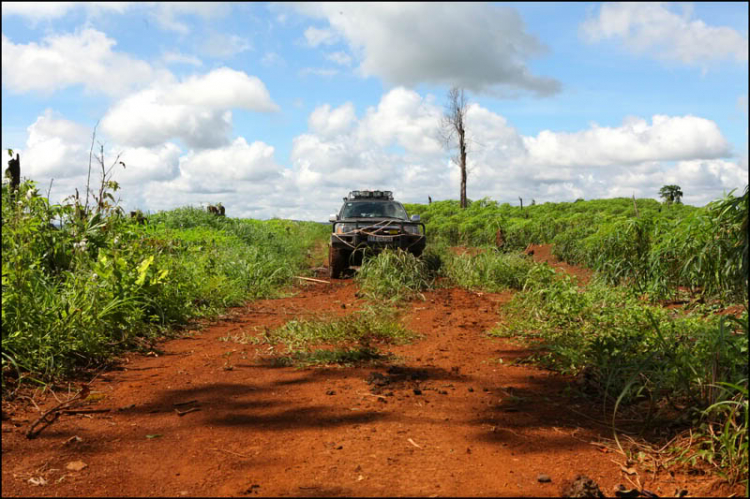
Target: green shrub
395	275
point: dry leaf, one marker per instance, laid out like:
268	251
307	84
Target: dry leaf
629	471
38	481
76	465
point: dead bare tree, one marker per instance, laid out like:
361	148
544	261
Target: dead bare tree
453	132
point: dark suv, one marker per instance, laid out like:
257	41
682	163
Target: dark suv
371	220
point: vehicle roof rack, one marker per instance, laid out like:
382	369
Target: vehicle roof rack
387	195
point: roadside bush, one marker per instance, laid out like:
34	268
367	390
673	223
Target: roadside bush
489	270
78	286
395	275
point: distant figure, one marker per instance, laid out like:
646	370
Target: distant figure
139	217
429	200
217	210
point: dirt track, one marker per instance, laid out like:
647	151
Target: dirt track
449	420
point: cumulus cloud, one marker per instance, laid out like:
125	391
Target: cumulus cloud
56	148
327	122
394	145
216	169
244	177
480	46
37	11
654	29
665	139
196	110
83	58
144	164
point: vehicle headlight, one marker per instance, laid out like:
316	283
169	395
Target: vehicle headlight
412	229
345	227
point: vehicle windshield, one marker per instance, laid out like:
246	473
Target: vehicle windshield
387	209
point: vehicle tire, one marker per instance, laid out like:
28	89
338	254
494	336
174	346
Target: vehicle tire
337	262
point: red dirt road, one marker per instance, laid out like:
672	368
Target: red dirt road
450	419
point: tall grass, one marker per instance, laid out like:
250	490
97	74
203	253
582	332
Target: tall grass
395	275
77	291
659	366
488	270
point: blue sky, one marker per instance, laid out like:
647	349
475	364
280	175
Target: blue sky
281	109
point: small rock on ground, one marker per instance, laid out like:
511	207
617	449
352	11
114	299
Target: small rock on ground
581	486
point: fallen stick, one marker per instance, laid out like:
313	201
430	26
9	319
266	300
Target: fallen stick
192	409
371	395
311	279
233	453
414	443
55	411
84	411
185	403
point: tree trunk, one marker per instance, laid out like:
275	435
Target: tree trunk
462	164
14	172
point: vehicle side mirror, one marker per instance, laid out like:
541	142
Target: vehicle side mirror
333	217
415	218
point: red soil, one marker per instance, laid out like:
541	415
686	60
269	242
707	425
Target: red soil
453	418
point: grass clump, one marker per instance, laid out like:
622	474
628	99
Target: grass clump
354	337
396	275
489	270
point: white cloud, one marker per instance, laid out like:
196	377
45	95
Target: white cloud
196	110
167	14
37	11
340	58
665	139
325	72
316	36
144	164
84	58
223	46
56	147
394	146
219	169
476	45
327	122
653	29
223	88
244	177
177	57
404	117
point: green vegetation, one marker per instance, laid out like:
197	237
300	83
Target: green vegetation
671	194
395	275
359	333
657	248
80	285
488	270
663	368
